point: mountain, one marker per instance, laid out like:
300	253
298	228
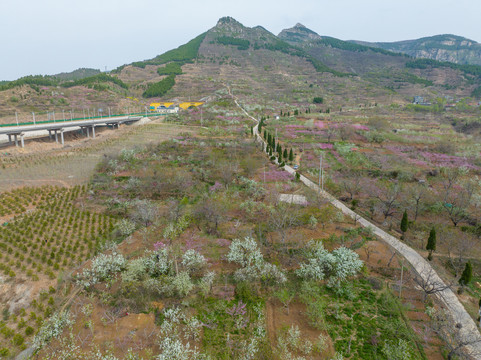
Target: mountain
77	74
293	67
452	48
298	34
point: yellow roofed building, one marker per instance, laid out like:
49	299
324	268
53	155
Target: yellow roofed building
186	105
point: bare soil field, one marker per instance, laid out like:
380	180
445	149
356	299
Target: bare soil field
43	162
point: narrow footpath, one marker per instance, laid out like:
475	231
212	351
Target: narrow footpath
468	330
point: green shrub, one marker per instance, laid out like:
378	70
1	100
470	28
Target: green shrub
170	69
29	331
160	88
228	40
4	352
18	340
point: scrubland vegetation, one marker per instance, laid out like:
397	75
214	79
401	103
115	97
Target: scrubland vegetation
172	241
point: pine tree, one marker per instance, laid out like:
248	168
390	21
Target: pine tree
467	274
404	223
284	154
431	246
291	155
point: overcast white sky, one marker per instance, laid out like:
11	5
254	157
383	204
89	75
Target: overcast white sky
52	36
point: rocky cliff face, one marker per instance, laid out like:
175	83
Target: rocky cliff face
450	48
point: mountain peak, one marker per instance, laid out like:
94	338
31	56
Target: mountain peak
228	22
298	34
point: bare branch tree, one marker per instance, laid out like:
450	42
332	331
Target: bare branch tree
430	283
460	344
388	200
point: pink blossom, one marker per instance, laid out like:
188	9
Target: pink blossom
278	175
223	242
215	187
159	245
360	127
325	146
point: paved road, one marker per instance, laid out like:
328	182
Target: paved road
468	331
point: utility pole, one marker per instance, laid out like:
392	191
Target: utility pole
63	114
54	116
16	117
200	116
321	174
109	111
322	177
84	113
33	114
401	285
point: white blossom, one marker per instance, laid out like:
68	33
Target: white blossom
52	328
193	260
337	266
102	268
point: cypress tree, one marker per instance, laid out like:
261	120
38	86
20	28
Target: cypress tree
269	139
431	246
279	148
404	223
252	130
288	113
291	155
284	155
265	136
467	274
280	157
281	112
270	151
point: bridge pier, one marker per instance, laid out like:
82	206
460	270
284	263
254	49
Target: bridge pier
61	136
15	138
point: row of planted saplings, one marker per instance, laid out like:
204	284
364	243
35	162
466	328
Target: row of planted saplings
17	327
57	234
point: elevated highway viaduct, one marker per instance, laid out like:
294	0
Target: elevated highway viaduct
16	134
